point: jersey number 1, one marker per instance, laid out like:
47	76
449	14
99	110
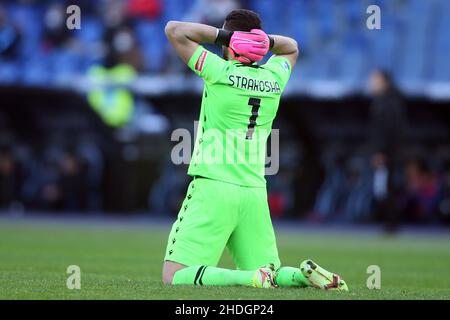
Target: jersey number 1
256	104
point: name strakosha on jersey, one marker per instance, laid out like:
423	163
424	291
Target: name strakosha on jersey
254	84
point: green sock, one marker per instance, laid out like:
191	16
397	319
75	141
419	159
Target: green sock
212	276
291	277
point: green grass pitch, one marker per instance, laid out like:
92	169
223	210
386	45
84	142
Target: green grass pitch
124	262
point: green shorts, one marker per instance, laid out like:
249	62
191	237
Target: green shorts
215	215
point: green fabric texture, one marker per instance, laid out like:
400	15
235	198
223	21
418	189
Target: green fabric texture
238	107
216	215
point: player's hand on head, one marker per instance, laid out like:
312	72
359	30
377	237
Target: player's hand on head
250	46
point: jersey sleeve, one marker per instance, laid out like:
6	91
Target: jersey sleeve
281	67
207	65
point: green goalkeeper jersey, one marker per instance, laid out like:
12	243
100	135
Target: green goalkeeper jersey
239	105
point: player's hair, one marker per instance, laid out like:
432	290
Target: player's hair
242	20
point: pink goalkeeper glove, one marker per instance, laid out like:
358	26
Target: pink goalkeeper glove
250	46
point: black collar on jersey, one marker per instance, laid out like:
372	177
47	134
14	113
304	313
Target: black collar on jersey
253	65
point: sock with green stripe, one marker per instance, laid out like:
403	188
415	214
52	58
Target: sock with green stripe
291	277
212	276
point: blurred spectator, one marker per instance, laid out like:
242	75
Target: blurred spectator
113	18
358	203
63	51
93	158
10	37
334	190
113	13
123	49
56	34
167	193
444	205
423	192
73	183
387	119
119	37
150	9
57	180
211	12
113	102
9	178
41	190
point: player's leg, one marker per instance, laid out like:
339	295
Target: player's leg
199	235
176	273
169	269
253	242
214	276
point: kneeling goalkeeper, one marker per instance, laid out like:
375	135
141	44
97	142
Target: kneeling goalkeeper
226	202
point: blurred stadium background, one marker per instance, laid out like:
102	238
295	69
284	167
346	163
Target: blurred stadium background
86	115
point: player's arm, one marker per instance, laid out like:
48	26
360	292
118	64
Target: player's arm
185	37
285	47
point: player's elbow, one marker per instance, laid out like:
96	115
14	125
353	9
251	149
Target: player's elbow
172	29
294	52
295	49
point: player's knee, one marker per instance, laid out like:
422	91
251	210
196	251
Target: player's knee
167	277
169	270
